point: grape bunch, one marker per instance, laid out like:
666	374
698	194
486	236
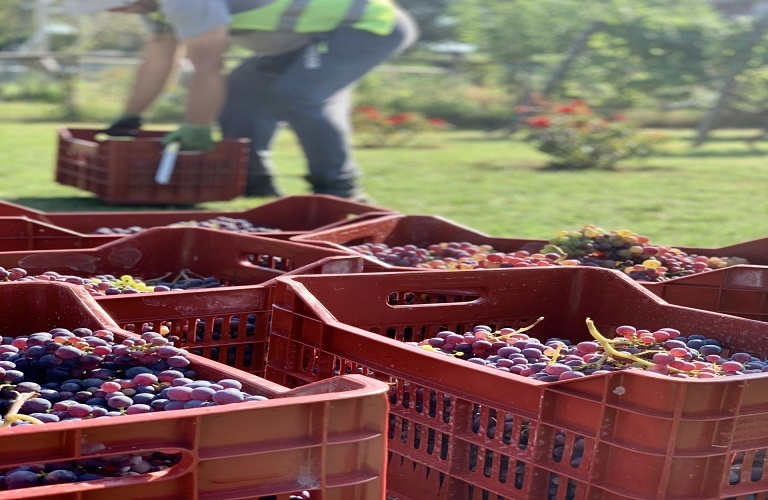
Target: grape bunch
82	374
456	256
89	469
221	222
664	351
590	246
79	374
632	253
108	284
235	337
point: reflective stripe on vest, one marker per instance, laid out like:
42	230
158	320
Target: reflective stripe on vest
314	16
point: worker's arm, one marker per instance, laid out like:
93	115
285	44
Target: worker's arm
161	55
206	87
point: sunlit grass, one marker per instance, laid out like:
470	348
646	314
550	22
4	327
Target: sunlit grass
708	197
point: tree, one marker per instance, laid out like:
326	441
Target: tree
643	52
435	25
15	23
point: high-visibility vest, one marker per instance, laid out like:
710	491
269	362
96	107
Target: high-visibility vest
313	16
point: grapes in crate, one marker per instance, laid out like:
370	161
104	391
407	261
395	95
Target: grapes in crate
107	284
221	222
664	351
590	246
632	253
81	374
457	256
91	469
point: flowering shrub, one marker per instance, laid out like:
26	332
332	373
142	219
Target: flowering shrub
579	138
376	128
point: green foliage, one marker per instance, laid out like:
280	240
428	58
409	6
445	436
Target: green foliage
107	31
452	95
578	138
375	128
15	23
651	53
429	14
32	87
169	108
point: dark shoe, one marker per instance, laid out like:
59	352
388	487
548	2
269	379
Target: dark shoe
261	187
344	188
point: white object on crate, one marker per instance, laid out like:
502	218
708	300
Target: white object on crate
167	163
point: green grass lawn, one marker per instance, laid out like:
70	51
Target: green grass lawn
708	197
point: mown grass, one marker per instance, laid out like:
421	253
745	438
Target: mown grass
711	196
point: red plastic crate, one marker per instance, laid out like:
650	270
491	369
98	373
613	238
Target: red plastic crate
288	216
227	325
197	316
738	290
22	233
423	230
328	438
235	259
419	230
122	171
643	435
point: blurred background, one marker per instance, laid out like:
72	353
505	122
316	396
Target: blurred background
456	111
681	63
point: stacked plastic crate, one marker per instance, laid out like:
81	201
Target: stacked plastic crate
309	310
740	290
323	441
459	430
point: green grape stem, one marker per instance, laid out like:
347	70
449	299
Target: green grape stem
556	354
526	328
611	352
13	411
562	253
607	346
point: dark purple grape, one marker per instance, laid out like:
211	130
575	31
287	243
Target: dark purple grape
228	396
21	479
35	405
60	476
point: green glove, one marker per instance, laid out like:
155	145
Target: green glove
191	137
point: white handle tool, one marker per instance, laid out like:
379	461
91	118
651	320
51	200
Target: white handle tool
167	163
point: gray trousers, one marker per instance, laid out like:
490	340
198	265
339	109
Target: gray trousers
310	89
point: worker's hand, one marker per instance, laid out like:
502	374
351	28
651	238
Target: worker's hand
125	126
191	137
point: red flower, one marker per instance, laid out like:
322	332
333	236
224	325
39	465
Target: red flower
618	117
400	118
370	112
539	122
438	122
567	110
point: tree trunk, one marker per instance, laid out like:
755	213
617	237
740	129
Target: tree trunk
729	80
557	76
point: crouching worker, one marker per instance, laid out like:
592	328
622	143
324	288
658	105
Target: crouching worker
307	57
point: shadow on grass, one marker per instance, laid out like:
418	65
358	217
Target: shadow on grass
723	153
557	169
617	169
487	136
79	204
